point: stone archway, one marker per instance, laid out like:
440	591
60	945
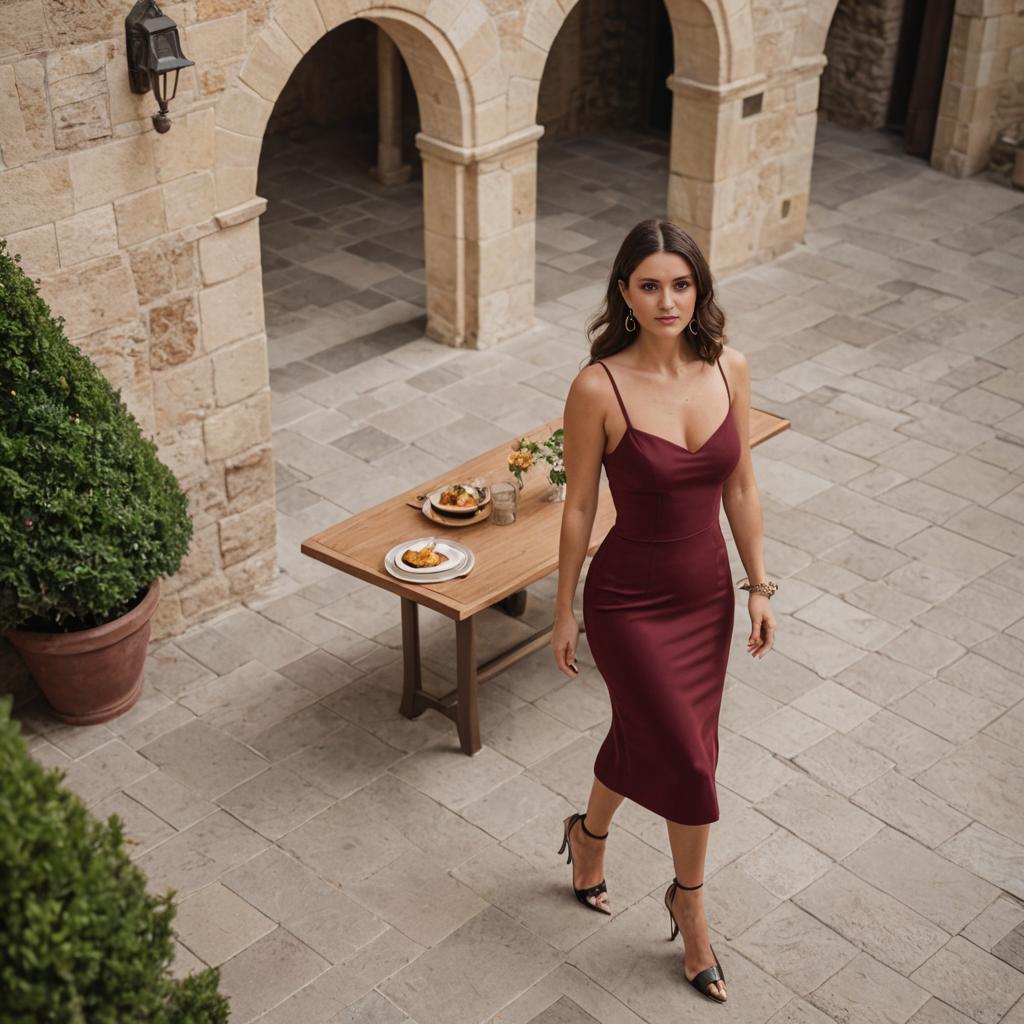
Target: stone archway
744	121
455	74
714	71
477	169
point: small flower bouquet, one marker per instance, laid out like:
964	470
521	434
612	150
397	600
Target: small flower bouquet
525	452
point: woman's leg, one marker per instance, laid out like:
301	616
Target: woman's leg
587	853
689	847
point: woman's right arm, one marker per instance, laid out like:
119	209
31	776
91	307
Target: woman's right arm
583	443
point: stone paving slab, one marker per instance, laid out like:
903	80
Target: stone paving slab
341	863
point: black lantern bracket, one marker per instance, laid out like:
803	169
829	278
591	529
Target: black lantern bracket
154	54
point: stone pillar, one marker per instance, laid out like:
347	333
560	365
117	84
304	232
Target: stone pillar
389	170
740	160
479	230
710	154
980	47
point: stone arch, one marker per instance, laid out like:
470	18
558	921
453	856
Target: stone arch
713	39
810	41
714	67
457	67
454	60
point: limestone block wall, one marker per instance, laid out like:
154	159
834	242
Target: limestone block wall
1010	101
861	51
982	92
597	70
118	226
148	244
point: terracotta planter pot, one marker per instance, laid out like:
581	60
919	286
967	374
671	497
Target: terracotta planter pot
91	675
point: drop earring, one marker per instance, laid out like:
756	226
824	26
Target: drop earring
630	322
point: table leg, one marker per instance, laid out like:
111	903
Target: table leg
460	704
514	605
412	685
468	719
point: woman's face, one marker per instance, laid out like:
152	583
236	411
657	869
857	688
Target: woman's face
662	293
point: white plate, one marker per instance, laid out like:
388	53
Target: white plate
409	577
456	556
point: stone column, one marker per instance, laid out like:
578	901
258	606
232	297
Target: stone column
980	46
389	170
740	161
710	156
479	218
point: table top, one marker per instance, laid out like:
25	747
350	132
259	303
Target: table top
508	558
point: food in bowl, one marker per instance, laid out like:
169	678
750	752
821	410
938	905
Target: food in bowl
458	496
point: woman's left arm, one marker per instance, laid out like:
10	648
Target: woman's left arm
742	506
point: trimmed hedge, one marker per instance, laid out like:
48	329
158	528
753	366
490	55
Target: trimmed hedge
81	941
89	516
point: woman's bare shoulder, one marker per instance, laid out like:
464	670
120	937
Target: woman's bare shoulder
591	380
734	360
735	365
590	390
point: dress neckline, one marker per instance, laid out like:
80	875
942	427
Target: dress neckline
657	437
630	429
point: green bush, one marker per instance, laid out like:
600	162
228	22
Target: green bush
81	941
89	516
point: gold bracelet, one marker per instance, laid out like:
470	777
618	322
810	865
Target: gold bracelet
767	588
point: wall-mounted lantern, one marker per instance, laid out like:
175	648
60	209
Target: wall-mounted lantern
154	52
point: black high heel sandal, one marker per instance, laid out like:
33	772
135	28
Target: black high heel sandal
703	979
584	895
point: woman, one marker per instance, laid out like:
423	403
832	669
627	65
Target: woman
656	405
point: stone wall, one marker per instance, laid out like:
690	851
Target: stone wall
861	51
597	70
117	223
982	90
1009	109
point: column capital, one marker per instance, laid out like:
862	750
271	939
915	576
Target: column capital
430	146
721	92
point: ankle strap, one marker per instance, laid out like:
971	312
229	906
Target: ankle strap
681	886
583	825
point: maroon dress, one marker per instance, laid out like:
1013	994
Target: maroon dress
658	608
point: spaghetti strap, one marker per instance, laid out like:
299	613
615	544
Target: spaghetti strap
718	361
622	405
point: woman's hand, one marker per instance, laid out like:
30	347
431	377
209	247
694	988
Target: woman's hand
563	643
762	626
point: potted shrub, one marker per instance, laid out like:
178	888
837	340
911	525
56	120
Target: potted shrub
80	938
90	519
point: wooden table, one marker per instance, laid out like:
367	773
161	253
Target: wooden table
508	559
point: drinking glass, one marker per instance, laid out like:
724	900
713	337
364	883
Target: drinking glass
504	496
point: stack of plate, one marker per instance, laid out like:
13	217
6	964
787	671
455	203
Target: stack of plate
460	561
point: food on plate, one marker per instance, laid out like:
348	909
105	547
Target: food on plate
424	558
457	496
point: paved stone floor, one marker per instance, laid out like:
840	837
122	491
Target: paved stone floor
343	864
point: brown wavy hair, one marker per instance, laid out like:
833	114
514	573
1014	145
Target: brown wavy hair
606	330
